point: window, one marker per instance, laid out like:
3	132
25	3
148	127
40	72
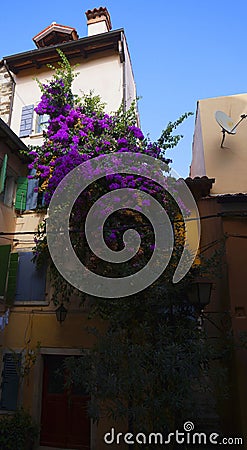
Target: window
10	381
4	263
3	173
30	281
27	193
42	123
20	281
7	183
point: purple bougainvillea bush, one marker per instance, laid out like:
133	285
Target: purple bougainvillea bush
78	130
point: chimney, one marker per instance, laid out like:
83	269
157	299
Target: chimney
98	21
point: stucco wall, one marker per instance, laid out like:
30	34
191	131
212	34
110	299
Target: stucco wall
228	165
103	75
236	251
227	235
129	82
197	168
7	214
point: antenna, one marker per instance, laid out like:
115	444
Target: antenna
227	124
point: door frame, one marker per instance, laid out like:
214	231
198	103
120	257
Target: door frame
38	385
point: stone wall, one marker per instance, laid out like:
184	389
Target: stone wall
5	94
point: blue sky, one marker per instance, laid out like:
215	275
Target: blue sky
181	52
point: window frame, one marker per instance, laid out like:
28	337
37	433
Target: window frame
8	194
45	301
42	125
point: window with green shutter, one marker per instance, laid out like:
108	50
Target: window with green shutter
4	264
21	193
10	381
3	173
7	183
12	278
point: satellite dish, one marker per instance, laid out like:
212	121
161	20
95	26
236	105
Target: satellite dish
227	124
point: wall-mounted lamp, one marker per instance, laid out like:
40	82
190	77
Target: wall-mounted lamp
61	313
199	293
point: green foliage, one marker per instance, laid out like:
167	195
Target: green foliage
17	431
167	140
153	357
64	72
153	365
92	104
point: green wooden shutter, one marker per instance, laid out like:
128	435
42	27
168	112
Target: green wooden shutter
10	381
11	287
4	263
3	173
21	193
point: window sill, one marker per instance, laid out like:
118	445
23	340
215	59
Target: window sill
30	303
36	135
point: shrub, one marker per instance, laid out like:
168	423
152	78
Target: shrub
17	431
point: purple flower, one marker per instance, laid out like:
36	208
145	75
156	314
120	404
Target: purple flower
146	202
114	186
75	139
122	140
136	132
82	133
112	236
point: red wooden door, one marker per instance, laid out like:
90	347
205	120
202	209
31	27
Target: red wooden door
64	420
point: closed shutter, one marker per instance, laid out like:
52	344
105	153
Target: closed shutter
9	191
32	195
31	282
3	173
4	263
21	194
26	121
12	279
10	381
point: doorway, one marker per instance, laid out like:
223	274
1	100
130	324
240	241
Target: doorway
64	420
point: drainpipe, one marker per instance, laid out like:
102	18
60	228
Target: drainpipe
12	93
122	60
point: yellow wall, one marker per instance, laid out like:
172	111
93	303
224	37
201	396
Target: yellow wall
229	292
228	165
26	327
7	214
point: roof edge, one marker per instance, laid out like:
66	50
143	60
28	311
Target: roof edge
86	39
15	140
